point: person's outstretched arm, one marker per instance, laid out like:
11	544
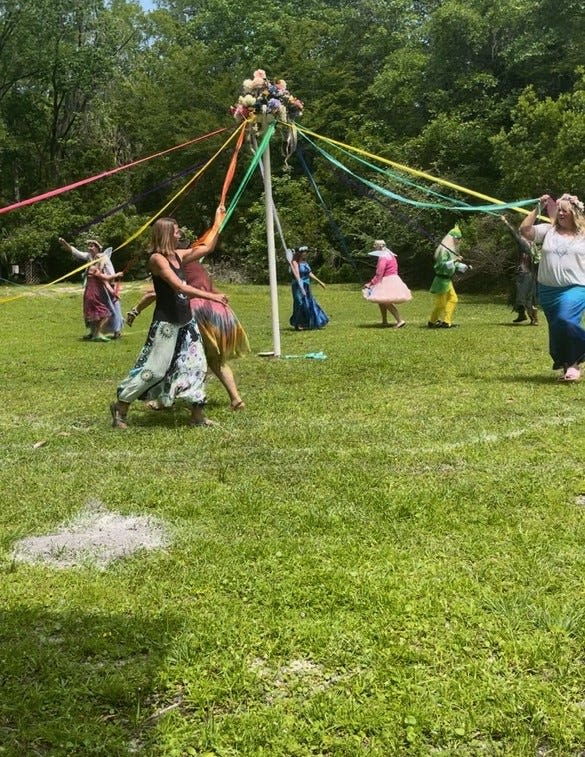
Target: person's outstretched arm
73	250
527	226
204	248
312	276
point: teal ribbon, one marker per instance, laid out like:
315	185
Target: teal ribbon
492	208
311	355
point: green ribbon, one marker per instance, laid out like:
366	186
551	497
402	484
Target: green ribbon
492	208
264	142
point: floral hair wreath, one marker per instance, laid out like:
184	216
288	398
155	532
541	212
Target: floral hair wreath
573	201
260	95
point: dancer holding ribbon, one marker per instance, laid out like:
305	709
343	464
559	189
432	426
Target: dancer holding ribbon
171	365
561	279
307	313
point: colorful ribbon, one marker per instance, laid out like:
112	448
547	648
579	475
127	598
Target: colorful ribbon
422	174
90	179
142	228
184	188
498	206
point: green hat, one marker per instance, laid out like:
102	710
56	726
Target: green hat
455	232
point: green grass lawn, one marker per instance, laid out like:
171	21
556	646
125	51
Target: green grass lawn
382	555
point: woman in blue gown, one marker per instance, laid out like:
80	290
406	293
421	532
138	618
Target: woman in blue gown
307	314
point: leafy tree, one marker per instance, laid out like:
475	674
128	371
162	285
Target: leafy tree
543	149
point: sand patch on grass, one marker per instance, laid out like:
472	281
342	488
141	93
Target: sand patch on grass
95	537
296	678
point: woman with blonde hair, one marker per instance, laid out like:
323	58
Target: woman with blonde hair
171	366
561	279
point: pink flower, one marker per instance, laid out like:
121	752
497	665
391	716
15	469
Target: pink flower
572	200
240	113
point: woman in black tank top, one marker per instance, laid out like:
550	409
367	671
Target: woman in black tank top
171	366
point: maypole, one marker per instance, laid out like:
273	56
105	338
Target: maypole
270	246
261	102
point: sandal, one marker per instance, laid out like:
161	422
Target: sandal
572	374
118	419
238	405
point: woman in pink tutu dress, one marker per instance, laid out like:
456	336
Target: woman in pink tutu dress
386	287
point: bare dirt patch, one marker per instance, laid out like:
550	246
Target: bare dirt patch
95	537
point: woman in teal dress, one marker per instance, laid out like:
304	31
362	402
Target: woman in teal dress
307	314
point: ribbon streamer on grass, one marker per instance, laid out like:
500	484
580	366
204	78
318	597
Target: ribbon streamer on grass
310	355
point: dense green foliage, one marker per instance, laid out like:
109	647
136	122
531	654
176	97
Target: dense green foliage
490	97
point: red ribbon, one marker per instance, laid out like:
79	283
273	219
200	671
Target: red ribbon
90	179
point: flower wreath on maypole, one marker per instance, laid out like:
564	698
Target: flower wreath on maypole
261	97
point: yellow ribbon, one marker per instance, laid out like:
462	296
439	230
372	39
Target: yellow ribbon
140	230
413	171
183	189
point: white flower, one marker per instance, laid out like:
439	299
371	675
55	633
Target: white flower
248	85
248	100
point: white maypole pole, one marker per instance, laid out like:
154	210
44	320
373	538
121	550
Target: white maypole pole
269	212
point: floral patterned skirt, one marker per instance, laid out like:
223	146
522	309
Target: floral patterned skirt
171	366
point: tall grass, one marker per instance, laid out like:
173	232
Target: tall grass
382	555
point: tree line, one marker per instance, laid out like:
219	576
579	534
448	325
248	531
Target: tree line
487	96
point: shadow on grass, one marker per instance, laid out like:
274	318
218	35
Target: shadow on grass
513	325
530	378
372	326
77	683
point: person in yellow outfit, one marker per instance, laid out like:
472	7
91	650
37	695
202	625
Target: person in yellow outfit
447	264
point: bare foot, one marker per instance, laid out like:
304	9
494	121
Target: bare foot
205	422
118	417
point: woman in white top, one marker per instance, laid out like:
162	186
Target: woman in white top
561	279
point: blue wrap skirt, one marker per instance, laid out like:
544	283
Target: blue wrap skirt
563	308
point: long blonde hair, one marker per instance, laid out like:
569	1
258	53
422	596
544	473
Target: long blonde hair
163	236
571	204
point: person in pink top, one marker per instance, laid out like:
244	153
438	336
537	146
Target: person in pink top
386	288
